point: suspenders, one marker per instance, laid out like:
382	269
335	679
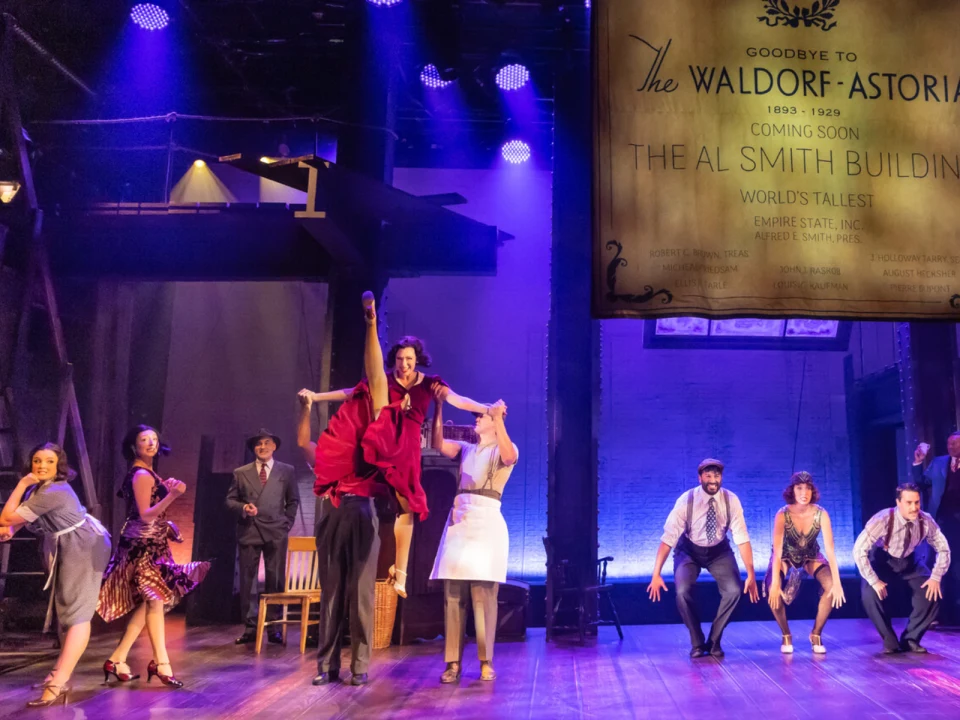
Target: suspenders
889	536
726	507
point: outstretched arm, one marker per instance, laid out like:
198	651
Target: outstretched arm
446	448
332	396
304	441
460	402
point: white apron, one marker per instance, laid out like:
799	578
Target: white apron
475	543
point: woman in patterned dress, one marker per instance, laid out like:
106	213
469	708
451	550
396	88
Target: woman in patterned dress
796	552
142	577
78	547
375	435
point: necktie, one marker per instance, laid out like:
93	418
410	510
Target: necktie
712	520
907	538
953	464
263	473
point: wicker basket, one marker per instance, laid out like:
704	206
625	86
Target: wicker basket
384	615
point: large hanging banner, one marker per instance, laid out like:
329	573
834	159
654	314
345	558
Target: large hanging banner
777	158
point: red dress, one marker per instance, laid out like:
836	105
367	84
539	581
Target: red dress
362	456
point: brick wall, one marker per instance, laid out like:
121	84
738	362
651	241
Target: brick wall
665	410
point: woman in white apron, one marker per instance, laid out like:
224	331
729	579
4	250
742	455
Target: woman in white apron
472	558
78	549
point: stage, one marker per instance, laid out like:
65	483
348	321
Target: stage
647	675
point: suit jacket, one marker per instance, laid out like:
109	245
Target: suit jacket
934	482
276	502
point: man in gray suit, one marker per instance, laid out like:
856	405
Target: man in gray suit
941	482
265	497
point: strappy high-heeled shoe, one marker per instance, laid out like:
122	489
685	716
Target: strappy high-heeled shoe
59	698
46	681
400	588
487	672
169	680
786	647
817	644
110	668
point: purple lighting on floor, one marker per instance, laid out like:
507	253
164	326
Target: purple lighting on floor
149	16
430	77
515	152
513	77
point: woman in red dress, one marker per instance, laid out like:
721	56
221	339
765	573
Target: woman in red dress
375	435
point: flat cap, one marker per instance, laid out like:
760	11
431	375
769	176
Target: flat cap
709	462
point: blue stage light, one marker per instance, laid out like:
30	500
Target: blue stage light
515	151
149	16
513	77
384	3
430	77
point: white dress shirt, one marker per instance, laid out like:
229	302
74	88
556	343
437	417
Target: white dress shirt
875	533
676	524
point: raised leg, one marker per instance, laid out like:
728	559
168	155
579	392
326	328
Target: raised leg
373	358
403	534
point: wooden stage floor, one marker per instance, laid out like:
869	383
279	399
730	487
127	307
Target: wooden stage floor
648	675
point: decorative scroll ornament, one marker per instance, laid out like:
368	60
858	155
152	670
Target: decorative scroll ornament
612	295
819	14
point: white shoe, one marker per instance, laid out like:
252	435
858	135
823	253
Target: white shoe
815	643
787	647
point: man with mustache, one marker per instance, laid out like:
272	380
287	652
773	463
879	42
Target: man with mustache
697	530
885	552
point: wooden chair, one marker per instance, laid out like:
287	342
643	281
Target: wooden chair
567	589
302	588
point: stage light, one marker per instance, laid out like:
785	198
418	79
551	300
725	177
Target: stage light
384	3
149	16
199	164
515	152
266	161
8	190
430	77
513	76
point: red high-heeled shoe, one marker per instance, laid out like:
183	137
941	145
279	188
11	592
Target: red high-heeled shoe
110	668
169	680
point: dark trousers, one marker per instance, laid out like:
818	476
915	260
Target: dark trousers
893	571
720	562
348	544
274	566
949	522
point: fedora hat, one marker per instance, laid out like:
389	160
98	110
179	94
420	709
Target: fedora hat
254	439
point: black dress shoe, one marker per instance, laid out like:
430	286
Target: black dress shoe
359	679
275	638
891	650
698	652
716	651
912	646
325	678
245	639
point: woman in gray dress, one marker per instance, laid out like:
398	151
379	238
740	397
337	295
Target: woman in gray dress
78	548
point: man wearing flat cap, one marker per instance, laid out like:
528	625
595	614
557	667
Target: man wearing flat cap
265	497
697	531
